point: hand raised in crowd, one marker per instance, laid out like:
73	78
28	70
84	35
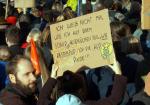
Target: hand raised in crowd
54	71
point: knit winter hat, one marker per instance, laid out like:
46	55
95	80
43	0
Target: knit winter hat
11	20
69	99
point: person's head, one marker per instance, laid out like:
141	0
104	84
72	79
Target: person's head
125	2
68	13
12	11
24	18
5	54
12	35
117	6
11	20
108	3
131	45
35	34
35	12
57	6
70	83
21	74
69	99
98	7
24	22
119	30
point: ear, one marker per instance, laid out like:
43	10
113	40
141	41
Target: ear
12	78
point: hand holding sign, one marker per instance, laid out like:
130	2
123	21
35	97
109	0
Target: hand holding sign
115	67
54	71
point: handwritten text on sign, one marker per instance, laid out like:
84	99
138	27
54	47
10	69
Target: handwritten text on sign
84	40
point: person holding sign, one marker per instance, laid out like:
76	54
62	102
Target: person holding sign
71	90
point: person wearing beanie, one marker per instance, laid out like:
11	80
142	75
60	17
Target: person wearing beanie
11	20
69	99
75	95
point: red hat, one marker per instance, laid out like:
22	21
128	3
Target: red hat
11	19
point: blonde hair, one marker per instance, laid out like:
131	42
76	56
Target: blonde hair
60	18
35	33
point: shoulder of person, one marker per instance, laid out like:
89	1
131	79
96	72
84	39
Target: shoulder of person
10	98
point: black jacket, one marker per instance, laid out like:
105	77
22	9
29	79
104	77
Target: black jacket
141	98
12	95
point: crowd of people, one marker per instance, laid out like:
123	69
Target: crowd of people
22	82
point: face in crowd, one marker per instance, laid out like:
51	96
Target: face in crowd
25	77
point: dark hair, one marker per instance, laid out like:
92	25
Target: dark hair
131	45
70	83
12	34
135	9
24	18
12	11
46	37
119	30
117	5
98	7
108	3
11	67
68	13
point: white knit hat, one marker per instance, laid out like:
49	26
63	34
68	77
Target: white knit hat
68	99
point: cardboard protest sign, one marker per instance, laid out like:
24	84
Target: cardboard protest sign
84	40
24	3
145	14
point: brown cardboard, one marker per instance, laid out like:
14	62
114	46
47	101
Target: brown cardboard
24	3
82	41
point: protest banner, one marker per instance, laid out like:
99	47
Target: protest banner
82	41
145	14
24	3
